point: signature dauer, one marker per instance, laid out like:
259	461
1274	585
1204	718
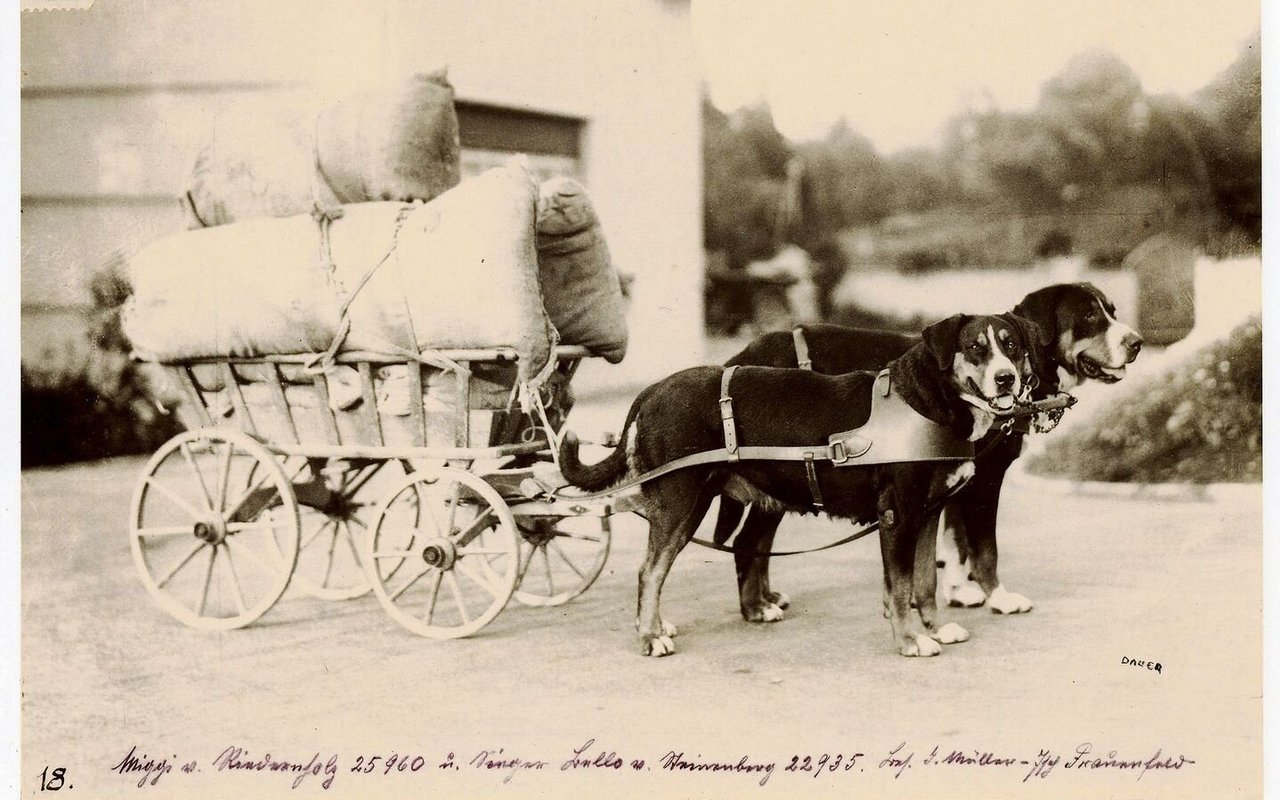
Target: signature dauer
1151	665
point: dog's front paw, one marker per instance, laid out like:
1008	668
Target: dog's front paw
779	599
967	595
656	646
1003	601
920	645
951	633
764	612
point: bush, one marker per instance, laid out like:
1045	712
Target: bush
1199	423
96	406
67	420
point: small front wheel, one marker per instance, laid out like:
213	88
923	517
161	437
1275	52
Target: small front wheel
443	553
214	528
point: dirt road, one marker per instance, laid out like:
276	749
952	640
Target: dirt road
326	686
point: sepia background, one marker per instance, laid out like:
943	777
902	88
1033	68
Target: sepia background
755	165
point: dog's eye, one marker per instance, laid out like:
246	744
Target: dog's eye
1013	347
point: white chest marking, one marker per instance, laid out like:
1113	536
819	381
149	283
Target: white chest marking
1066	380
960	474
982	422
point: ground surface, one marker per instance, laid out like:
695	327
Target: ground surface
106	671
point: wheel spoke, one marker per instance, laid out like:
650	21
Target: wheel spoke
174	498
430	513
235	581
351	544
169	575
546	569
480	523
208	578
315	534
224	477
185	449
395	595
435	593
394	554
357	482
565	558
480	580
241	527
485	565
328	568
254	557
453	508
457	598
522	563
164	530
257	484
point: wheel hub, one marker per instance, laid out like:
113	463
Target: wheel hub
440	553
210	531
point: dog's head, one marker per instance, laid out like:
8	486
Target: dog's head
1087	340
985	359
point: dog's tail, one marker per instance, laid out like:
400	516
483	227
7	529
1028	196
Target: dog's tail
727	518
602	474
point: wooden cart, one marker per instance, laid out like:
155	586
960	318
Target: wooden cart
380	474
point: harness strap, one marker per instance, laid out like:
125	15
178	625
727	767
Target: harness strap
726	415
835	452
933	505
811	474
802	349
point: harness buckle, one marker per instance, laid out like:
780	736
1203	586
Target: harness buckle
838	453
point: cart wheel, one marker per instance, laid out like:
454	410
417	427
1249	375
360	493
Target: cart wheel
336	510
443	553
207	549
562	557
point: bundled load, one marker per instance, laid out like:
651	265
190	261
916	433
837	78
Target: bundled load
398	144
457	272
580	287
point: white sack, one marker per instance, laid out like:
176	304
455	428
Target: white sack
459	272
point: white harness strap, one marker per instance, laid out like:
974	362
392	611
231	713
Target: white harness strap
802	349
726	415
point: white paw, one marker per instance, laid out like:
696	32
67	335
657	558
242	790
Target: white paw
921	645
1002	601
781	600
951	633
771	613
657	646
966	595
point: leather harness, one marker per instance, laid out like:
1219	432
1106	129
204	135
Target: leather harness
802	349
893	433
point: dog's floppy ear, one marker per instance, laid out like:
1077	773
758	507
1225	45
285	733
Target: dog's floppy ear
940	338
1032	335
1041	307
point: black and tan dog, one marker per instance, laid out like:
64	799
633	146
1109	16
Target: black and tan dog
963	372
1082	341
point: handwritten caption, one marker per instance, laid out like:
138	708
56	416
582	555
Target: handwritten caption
144	770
